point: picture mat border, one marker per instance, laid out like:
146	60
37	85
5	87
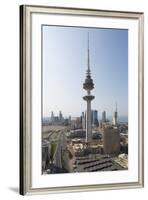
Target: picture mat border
25	99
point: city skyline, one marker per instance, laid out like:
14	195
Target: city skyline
65	49
121	118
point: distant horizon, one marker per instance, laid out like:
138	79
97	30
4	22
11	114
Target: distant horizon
64	69
99	116
56	113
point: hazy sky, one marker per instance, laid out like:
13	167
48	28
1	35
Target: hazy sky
65	63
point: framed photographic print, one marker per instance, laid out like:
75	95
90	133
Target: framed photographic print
81	99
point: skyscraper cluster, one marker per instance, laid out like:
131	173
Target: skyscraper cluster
56	118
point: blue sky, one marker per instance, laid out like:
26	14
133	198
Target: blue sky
65	63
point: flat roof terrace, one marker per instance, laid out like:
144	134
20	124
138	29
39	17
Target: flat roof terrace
104	163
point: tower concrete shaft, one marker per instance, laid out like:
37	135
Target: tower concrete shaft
88	122
88	99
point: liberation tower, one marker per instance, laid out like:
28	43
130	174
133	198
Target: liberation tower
88	85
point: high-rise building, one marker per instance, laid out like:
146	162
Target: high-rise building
88	85
100	124
104	116
94	114
111	140
83	120
69	120
115	117
52	116
60	116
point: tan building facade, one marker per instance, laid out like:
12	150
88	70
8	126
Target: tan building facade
111	141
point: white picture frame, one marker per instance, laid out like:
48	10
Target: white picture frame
31	179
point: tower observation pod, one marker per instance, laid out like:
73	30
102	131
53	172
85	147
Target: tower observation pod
88	85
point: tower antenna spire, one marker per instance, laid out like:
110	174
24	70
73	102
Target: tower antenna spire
88	61
116	106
